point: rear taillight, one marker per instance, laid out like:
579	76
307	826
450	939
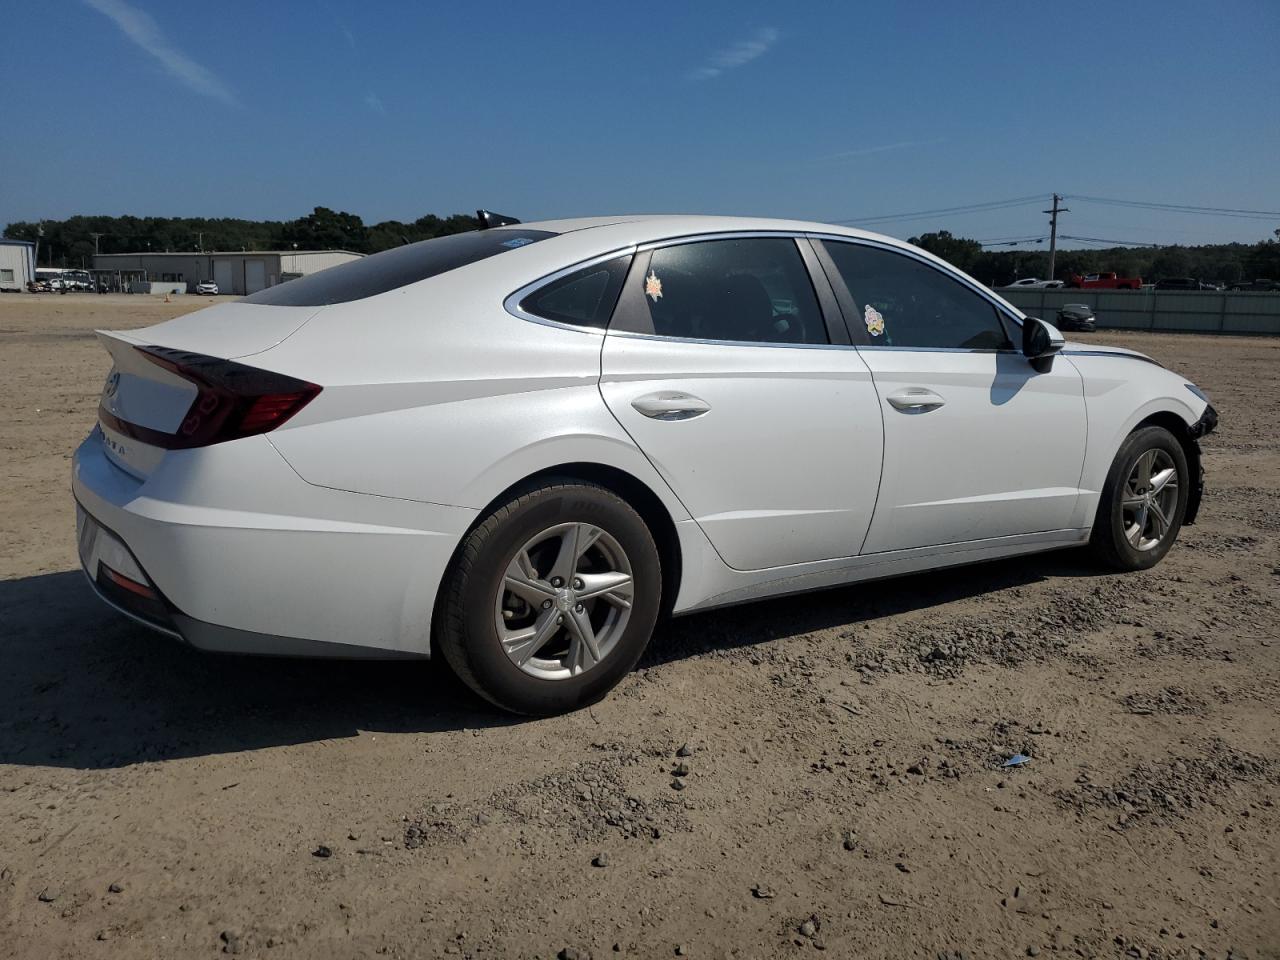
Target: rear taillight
232	401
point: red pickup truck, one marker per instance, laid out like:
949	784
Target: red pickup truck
1104	281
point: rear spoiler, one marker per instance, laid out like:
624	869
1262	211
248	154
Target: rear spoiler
488	218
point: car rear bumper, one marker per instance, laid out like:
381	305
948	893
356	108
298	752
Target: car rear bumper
227	549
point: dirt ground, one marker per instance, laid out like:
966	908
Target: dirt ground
842	790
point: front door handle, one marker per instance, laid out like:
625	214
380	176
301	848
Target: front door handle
671	405
915	400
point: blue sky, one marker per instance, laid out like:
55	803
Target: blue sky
812	110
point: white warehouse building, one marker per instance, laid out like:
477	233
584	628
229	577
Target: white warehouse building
17	264
238	274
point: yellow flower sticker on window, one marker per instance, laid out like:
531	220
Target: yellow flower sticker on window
875	322
652	287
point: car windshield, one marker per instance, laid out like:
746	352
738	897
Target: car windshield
395	268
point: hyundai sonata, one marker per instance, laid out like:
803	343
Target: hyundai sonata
521	446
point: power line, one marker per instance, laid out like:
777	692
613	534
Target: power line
954	211
1114	243
1011	241
1182	208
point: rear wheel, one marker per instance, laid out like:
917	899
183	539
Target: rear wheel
551	599
1143	501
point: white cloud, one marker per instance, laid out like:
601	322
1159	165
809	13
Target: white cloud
374	103
737	54
139	27
879	148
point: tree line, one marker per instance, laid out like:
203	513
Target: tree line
71	242
1215	263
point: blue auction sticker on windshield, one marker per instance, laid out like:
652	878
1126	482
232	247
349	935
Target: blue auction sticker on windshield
517	242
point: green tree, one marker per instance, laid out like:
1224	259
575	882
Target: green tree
1171	262
325	229
960	252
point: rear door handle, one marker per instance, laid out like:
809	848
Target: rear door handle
915	400
670	405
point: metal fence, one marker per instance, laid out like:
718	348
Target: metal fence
1205	311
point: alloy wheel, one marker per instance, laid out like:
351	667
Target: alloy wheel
564	601
1150	500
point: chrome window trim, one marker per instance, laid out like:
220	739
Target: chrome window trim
795	236
513	300
944	268
727	235
732	343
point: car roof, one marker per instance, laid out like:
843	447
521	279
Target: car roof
655	226
615	232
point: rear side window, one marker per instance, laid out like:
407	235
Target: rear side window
393	269
906	303
584	298
748	290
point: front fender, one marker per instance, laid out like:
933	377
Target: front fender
1121	392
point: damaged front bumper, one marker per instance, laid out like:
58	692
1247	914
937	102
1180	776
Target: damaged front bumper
1207	423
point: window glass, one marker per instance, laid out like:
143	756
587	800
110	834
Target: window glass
755	290
6	276
585	298
906	303
396	268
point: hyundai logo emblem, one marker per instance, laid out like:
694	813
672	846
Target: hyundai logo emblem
113	384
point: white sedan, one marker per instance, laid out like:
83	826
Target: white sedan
522	446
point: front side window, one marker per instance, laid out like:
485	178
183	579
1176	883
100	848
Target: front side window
584	298
902	302
752	290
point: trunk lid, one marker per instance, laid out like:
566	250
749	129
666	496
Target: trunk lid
145	394
140	392
228	330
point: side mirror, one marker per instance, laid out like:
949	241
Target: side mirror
1040	341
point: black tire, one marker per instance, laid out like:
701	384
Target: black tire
465	630
1108	542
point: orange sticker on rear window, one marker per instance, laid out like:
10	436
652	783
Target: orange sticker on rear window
652	287
874	321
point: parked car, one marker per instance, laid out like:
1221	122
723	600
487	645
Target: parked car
1184	283
1034	283
207	287
1104	281
1077	316
519	447
38	286
1257	286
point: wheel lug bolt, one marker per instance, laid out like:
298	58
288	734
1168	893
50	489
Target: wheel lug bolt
546	604
577	584
557	582
559	619
579	608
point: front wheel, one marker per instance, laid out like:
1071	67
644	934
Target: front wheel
1143	501
551	599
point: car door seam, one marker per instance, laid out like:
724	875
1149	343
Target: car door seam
884	427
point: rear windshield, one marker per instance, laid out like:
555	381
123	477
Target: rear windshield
396	268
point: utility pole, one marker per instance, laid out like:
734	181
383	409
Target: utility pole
200	241
1053	232
95	242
